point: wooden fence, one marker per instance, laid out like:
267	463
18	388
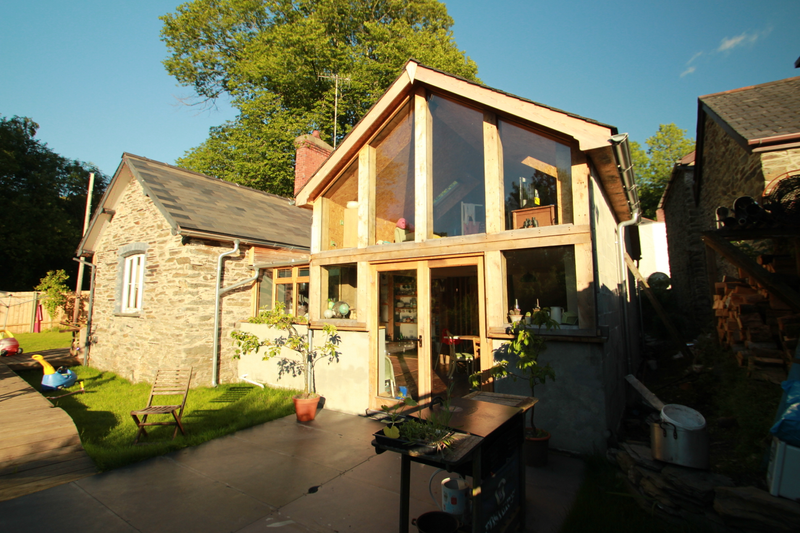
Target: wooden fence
18	312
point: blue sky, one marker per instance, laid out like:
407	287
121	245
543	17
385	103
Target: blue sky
89	72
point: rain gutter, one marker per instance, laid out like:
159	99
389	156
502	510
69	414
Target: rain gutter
622	154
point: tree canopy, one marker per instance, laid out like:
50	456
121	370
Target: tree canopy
44	196
653	168
278	60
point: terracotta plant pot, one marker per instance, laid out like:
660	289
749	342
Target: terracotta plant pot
305	408
535	450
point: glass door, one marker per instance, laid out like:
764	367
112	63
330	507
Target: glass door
455	325
399	348
430	325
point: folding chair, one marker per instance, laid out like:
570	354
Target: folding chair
167	383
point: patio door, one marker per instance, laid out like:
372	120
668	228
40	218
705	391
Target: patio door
430	325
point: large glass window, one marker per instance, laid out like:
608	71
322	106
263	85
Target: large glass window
288	285
459	201
341	212
394	190
543	277
340	288
536	174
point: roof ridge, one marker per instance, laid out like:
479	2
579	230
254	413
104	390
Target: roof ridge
749	87
201	175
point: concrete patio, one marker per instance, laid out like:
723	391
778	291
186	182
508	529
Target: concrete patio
283	476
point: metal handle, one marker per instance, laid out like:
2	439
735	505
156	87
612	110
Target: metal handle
419	341
674	429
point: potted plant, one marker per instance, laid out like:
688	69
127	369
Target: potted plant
528	344
245	342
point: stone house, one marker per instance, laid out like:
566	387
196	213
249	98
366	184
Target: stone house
746	139
156	241
447	205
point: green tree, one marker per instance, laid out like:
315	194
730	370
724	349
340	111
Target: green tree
44	197
654	167
276	60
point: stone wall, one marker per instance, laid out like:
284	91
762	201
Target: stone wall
729	171
700	499
687	254
176	325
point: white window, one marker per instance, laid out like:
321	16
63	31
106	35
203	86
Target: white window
133	283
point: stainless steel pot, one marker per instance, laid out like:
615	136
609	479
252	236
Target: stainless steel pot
673	444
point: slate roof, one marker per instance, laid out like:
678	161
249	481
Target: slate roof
197	205
760	113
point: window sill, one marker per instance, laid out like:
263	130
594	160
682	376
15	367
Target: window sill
566	333
341	324
129	315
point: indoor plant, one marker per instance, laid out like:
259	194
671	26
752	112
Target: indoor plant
527	344
244	342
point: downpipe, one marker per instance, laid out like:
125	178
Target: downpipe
217	302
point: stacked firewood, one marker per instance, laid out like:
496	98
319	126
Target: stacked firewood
760	328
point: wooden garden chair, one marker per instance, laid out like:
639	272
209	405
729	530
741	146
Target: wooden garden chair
167	383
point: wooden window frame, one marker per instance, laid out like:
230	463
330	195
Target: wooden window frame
293	279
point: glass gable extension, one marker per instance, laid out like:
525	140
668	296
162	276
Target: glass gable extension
394	191
459	200
536	175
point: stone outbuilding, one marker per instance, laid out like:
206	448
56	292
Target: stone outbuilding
747	138
157	242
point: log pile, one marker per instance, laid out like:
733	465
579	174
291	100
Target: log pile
760	328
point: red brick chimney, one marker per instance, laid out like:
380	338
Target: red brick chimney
311	153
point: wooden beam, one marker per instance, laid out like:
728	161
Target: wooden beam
367	174
423	172
462	245
584	283
676	336
770	281
493	170
579	190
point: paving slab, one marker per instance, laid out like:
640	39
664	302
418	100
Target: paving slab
271	478
66	509
283	476
160	495
550	492
345	504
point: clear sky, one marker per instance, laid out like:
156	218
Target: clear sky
89	72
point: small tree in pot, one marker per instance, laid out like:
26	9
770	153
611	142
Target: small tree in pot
527	344
245	342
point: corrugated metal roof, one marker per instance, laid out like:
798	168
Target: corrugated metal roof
760	111
195	202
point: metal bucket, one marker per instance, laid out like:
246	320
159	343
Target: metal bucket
681	437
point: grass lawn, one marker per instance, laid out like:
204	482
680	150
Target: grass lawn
102	414
48	340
